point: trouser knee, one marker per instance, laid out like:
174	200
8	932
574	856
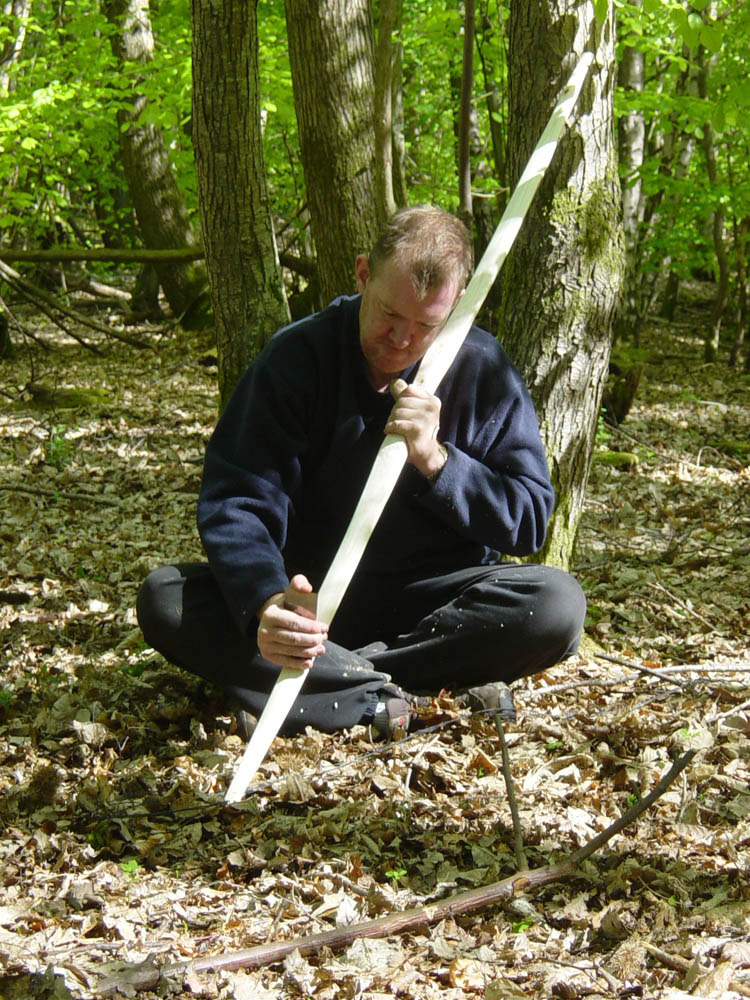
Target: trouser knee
156	613
545	608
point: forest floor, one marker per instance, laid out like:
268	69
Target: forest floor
117	849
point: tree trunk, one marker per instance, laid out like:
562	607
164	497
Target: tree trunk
741	231
246	286
631	136
400	190
159	206
390	12
332	63
465	209
674	150
16	17
491	75
562	280
711	343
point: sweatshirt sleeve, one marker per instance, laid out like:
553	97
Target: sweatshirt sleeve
494	487
251	474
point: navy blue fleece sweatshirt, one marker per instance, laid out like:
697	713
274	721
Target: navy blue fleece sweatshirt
290	455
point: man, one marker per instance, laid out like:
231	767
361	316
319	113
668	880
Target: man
430	606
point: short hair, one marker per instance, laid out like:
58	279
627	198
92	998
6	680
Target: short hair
432	243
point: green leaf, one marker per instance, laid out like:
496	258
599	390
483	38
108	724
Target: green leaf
601	9
712	36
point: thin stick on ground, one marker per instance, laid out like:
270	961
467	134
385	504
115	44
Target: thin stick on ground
417	918
518	849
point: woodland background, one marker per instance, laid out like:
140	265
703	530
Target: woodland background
116	846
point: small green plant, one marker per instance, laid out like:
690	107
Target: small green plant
521	925
688	734
603	432
130	867
58	448
395	875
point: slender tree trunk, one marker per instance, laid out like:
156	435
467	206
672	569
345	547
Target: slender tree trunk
711	344
159	206
562	280
674	151
246	286
332	63
400	191
631	135
492	75
390	12
464	120
15	14
741	231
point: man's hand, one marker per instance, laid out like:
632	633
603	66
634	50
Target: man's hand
416	417
290	637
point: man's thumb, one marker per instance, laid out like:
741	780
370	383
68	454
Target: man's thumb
397	387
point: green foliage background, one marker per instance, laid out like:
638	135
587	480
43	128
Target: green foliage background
61	179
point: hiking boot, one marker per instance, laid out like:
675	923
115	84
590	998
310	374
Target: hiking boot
495	697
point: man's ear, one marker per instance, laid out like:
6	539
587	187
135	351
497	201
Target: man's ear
362	272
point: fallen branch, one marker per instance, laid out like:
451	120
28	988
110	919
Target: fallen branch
137	255
46	302
60	495
416	918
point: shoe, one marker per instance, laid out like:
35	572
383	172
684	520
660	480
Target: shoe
495	697
395	712
246	723
391	719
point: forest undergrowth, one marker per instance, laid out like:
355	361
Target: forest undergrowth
116	846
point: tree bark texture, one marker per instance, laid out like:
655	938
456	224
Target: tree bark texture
562	280
331	53
246	284
159	206
390	12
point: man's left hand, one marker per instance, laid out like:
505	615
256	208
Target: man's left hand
416	417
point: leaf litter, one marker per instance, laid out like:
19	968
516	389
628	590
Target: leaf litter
118	856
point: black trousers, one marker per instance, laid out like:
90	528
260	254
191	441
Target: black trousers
454	631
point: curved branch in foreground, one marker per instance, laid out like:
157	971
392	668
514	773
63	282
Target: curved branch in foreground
417	918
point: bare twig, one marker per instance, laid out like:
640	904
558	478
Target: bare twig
719	716
521	861
641	668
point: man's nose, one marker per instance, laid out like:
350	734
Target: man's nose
401	334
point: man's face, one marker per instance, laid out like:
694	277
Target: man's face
395	326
